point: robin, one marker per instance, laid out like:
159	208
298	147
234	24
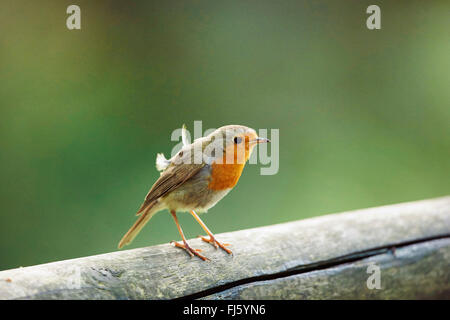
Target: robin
196	178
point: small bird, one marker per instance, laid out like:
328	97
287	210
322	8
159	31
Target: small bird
196	178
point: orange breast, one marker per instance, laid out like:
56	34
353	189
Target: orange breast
224	175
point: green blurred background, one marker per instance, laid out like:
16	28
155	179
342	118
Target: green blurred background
364	116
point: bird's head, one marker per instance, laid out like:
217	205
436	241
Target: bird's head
233	143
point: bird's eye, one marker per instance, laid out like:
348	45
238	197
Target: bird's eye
237	140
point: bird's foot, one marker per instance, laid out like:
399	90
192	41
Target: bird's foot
192	252
216	244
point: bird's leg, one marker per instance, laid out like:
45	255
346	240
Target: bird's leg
185	245
212	240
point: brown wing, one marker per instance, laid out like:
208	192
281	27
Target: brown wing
169	180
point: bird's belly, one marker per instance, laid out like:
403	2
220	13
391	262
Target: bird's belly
200	200
195	194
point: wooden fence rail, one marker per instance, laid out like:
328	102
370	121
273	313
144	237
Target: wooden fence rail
329	257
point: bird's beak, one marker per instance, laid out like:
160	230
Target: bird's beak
259	140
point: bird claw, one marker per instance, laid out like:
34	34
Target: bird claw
211	240
189	250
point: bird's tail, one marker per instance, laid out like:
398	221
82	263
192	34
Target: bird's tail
138	225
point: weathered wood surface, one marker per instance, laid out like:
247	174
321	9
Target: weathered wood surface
319	258
418	271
